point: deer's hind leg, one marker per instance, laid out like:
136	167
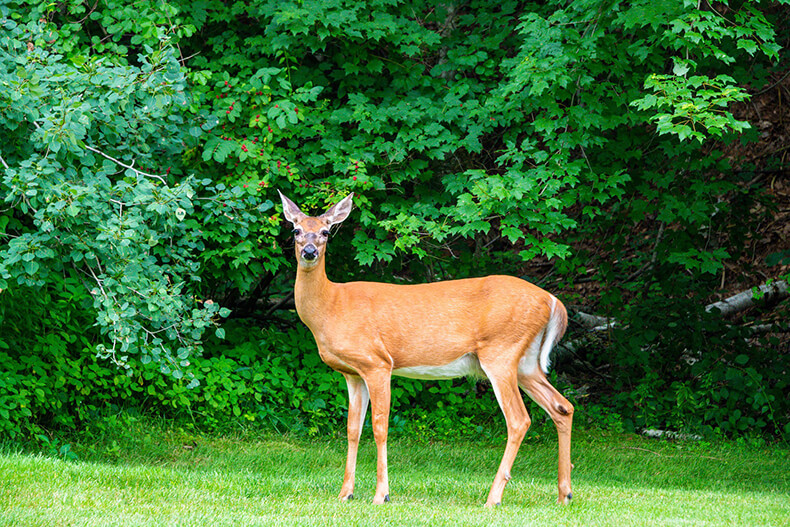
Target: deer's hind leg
503	377
560	410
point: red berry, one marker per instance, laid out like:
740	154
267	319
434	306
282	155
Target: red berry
276	105
354	178
296	110
245	186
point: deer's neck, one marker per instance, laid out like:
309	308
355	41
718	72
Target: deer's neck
312	294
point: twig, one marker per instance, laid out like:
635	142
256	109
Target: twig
4	163
643	450
772	86
160	178
665	455
652	261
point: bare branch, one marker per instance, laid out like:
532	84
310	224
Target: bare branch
742	301
594	322
121	163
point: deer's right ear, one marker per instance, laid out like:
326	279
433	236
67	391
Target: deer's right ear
339	210
291	211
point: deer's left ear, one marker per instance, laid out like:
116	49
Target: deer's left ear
339	210
291	211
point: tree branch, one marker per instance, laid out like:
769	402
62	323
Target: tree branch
742	301
732	305
117	162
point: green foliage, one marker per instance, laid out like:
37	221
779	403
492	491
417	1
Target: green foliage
697	104
681	371
74	211
143	144
275	381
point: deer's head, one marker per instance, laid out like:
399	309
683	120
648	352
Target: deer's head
312	232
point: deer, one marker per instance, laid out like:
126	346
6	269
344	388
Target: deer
497	327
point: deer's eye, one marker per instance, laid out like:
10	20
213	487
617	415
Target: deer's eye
297	232
325	233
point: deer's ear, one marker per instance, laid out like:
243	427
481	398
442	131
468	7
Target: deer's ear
339	210
291	211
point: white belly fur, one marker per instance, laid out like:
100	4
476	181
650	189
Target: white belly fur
465	366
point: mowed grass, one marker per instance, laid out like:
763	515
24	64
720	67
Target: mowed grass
159	478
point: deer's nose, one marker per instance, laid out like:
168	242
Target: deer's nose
310	252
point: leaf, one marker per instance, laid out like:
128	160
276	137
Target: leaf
30	267
747	45
680	68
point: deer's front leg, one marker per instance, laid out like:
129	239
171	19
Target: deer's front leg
378	385
357	408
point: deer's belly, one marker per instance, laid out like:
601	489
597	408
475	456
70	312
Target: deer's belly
464	366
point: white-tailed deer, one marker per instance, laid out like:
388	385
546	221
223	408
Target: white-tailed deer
499	327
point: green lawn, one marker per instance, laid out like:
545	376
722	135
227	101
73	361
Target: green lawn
164	478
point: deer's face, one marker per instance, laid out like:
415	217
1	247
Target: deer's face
310	237
312	232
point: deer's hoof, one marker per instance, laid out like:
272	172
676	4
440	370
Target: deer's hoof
379	501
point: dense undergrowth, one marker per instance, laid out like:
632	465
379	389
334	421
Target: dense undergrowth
589	147
272	381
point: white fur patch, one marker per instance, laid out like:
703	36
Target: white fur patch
465	366
552	330
529	361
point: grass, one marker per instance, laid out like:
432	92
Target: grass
165	477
